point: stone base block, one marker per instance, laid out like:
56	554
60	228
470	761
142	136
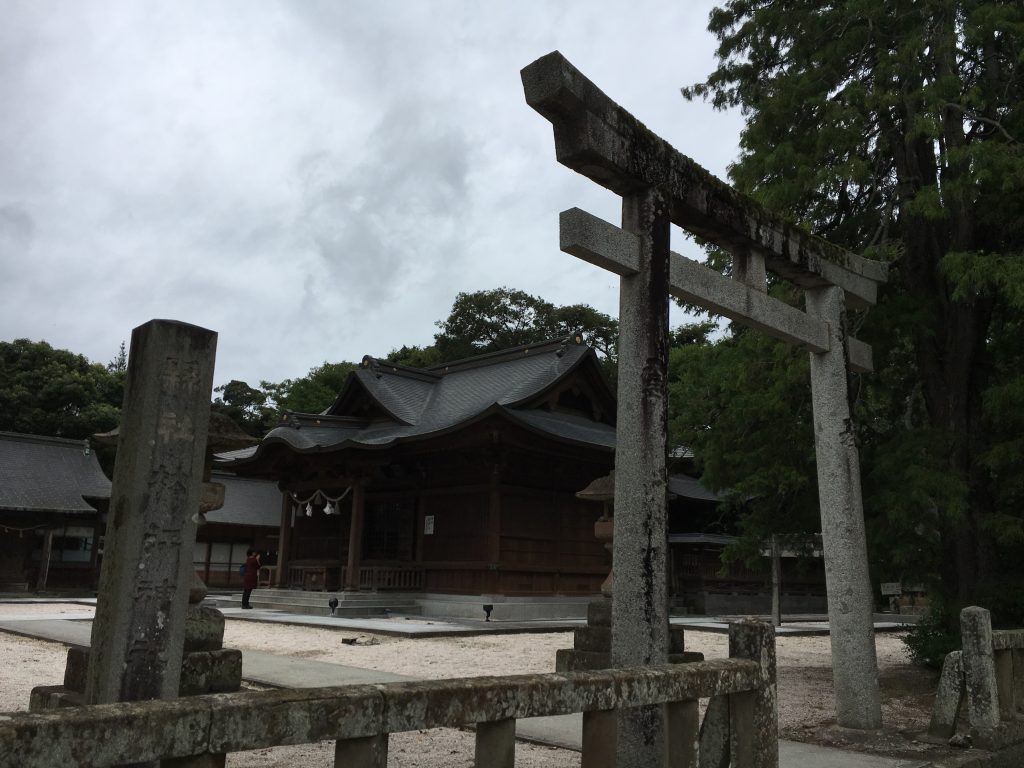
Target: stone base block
204	629
591	638
576	660
211	672
76	671
46	697
197	761
573	660
218	671
599	612
676	642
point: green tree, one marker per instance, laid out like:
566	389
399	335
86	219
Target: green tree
312	393
893	127
47	391
500	318
742	405
245	406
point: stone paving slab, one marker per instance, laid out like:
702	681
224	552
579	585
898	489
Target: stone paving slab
565	731
794	625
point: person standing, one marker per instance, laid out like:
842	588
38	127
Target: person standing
251	575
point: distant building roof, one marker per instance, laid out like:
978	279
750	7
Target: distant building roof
701	538
687	487
49	474
247	501
384	403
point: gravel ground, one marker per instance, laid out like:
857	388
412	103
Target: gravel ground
806	707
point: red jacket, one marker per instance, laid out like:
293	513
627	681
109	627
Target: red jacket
252	570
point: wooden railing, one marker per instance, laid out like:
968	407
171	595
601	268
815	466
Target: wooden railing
741	723
385	577
987	675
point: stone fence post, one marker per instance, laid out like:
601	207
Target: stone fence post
979	667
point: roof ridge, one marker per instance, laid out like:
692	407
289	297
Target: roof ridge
379	365
286	420
501	355
44	439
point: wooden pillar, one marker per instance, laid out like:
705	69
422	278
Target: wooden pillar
420	514
94	554
44	560
494	529
776	583
284	541
355	537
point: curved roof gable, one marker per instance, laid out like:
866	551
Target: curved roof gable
383	403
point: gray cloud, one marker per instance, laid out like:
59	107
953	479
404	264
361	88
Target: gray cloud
313	180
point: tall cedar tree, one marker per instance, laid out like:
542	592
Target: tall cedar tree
894	128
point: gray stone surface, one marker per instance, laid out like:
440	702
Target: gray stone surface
979	667
756	641
949	698
847	582
715	734
138	634
640	597
204	629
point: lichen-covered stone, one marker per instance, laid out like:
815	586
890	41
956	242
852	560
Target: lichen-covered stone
211	672
204	629
243	721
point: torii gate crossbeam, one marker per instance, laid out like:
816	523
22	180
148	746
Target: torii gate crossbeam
659	186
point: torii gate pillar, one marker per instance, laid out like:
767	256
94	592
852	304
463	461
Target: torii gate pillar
843	538
640	598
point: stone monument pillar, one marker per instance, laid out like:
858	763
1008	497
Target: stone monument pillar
138	632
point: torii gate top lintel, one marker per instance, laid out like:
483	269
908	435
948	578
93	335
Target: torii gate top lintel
599	139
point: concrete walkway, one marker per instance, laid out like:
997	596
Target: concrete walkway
290	672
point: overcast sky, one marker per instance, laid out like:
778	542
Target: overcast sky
312	180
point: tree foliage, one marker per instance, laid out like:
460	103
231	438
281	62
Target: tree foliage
47	391
894	128
500	318
312	393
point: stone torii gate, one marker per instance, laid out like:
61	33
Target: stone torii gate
659	187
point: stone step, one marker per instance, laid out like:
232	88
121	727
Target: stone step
349	612
301	596
319	598
321	608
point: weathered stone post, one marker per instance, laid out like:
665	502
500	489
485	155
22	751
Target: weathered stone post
847	583
755	640
639	595
139	630
979	667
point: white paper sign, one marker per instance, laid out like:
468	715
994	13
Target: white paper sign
428	525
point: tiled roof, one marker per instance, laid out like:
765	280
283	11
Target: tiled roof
247	502
687	487
48	474
422	403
